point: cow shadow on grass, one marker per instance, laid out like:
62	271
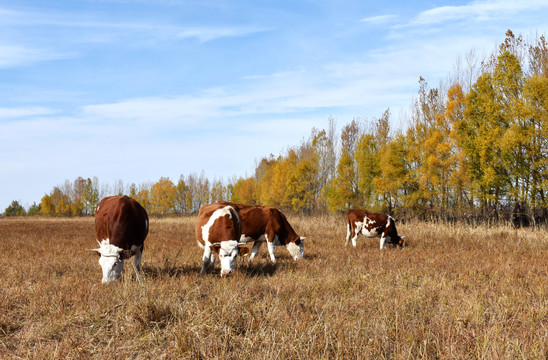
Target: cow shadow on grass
168	270
259	269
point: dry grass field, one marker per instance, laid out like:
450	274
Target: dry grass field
456	292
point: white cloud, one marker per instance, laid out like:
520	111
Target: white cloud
381	19
477	10
302	91
205	34
15	55
10	113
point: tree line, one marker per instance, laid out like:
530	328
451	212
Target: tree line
476	147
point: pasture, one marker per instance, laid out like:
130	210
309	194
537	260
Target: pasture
456	292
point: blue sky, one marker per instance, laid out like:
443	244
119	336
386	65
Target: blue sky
142	89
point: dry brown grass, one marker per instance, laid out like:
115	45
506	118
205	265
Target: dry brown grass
456	292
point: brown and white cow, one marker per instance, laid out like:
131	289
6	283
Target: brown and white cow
267	224
370	225
218	230
121	226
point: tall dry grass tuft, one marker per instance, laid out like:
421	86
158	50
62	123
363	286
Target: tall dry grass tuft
456	292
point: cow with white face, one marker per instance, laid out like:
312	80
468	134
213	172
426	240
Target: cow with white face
121	226
370	225
218	230
262	224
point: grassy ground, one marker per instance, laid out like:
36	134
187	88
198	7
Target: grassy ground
455	292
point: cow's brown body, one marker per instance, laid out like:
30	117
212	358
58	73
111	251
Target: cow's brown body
121	226
218	231
267	224
371	224
123	221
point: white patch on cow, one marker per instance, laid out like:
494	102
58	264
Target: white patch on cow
369	233
245	239
296	251
368	221
228	255
111	261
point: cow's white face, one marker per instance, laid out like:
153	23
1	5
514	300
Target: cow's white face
296	249
111	261
228	255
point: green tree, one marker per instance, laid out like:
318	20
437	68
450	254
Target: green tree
15	209
90	196
344	193
34	210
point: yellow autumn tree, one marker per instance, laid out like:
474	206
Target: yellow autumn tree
162	198
245	191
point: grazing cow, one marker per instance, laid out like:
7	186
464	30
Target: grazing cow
121	226
267	224
371	225
218	230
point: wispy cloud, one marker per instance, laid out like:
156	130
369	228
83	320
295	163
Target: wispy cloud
205	34
11	113
380	19
476	10
16	55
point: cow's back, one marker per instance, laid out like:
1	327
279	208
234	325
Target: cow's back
355	215
258	220
122	220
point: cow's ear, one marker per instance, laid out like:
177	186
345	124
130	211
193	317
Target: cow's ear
96	251
126	254
244	250
216	248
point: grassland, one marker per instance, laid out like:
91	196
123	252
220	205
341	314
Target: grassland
456	292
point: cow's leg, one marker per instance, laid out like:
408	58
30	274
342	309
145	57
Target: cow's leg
271	247
383	241
348	233
255	249
137	262
207	260
357	231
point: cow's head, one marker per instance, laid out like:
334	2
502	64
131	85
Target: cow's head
111	259
228	251
401	242
296	249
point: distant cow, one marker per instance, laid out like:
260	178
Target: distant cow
267	224
121	226
218	230
370	225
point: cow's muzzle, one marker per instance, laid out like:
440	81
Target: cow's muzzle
226	273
